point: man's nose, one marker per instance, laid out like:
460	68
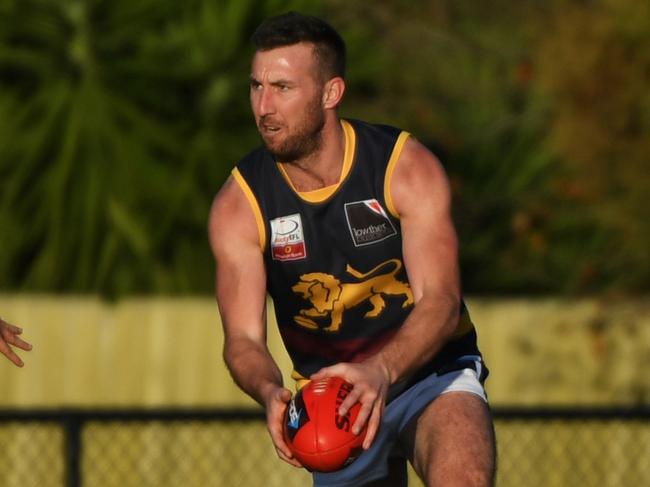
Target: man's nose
265	105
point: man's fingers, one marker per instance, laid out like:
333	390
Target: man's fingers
12	328
20	343
9	353
280	445
16	330
351	400
282	449
368	389
373	426
276	413
325	372
362	417
289	460
285	395
16	359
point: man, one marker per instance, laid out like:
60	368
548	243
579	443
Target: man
9	335
347	226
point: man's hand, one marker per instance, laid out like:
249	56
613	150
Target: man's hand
276	404
370	386
9	336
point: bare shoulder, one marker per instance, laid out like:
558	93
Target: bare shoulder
419	178
231	217
227	199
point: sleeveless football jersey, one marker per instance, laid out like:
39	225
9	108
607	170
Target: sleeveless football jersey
333	256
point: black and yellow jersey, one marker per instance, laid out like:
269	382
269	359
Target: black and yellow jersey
333	256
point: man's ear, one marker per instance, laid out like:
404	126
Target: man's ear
333	92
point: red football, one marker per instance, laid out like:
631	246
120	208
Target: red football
321	439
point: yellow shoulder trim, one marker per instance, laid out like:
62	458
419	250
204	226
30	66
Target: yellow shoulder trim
259	219
392	163
322	194
300	380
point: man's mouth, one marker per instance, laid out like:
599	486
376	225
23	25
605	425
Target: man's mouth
269	127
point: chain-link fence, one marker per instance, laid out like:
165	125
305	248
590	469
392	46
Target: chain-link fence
232	449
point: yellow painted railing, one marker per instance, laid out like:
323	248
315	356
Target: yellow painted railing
167	352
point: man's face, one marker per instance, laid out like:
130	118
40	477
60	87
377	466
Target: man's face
286	98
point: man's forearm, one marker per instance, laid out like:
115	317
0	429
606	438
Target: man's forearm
425	331
252	368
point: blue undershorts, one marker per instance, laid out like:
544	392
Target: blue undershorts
372	464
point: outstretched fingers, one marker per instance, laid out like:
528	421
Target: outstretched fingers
10	334
10	354
19	342
8	327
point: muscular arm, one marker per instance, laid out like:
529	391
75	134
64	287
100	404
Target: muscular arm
241	295
241	292
421	196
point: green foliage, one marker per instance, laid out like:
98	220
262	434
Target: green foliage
119	121
509	95
457	76
594	68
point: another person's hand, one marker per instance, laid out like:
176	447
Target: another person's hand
370	388
276	404
9	335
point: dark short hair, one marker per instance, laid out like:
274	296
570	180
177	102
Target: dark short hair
292	28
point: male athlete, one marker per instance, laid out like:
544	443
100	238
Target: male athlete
9	335
347	226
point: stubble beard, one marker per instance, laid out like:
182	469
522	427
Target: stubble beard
305	141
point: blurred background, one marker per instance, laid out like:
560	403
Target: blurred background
120	120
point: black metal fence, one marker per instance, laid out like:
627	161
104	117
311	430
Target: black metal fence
215	448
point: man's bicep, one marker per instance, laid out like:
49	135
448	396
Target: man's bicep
422	197
240	271
241	293
431	256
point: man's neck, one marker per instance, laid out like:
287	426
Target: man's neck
323	167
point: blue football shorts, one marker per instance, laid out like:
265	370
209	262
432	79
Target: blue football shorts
372	464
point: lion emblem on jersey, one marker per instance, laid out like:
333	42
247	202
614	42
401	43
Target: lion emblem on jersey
329	296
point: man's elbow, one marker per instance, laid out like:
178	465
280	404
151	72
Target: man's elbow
239	351
227	358
230	354
452	323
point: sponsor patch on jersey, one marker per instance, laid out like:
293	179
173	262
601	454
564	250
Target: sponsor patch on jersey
368	222
287	239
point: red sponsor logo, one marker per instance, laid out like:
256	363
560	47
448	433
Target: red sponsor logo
289	251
